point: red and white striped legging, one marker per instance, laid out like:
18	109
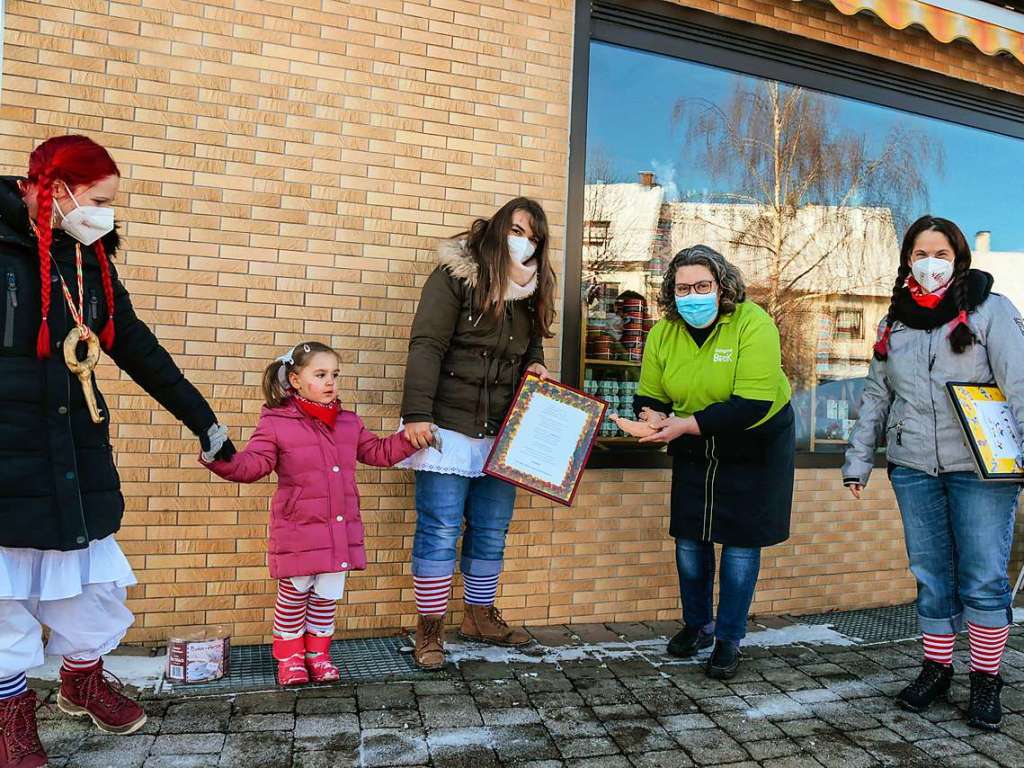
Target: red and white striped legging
297	612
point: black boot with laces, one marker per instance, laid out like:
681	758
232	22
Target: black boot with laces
931	684
984	710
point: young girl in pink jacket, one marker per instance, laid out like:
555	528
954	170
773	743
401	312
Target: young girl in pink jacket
316	533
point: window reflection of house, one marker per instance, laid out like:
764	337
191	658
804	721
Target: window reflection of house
1007	267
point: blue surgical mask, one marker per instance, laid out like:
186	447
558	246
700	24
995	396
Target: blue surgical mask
699	310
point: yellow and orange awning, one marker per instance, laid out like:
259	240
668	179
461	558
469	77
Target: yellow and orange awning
987	31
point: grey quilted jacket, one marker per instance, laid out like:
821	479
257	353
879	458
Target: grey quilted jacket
905	397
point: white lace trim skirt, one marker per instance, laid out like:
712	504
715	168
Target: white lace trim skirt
48	574
461	455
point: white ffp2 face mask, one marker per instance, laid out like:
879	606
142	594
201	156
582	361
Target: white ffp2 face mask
86	223
520	248
932	273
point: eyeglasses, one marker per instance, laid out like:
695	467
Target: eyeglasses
704	286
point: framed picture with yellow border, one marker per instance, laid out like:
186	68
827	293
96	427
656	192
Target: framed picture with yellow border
990	430
546	439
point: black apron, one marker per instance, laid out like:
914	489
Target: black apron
735	489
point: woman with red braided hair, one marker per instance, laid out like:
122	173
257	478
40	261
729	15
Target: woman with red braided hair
945	324
60	498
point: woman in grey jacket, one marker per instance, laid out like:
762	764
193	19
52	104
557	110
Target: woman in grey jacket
944	324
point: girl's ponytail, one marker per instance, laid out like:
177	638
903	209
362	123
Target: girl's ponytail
274	392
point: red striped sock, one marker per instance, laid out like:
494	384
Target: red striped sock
987	646
78	666
289	610
432	594
939	648
320	615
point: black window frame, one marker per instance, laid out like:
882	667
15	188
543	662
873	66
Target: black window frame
661	27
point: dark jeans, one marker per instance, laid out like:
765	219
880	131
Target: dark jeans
695	561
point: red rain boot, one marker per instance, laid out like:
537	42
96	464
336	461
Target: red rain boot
318	660
291	667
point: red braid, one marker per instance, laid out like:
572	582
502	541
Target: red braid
44	238
107	334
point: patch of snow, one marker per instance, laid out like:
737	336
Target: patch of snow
798	634
1018	615
142	672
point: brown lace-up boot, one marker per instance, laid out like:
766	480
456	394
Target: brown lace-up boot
484	624
429	651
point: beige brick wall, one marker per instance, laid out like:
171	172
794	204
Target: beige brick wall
288	167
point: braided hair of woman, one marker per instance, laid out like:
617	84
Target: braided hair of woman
961	336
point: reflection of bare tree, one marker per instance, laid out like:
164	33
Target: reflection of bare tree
805	196
602	243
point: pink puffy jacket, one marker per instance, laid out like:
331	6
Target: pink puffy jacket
315	526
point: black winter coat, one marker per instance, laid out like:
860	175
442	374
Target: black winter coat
59	488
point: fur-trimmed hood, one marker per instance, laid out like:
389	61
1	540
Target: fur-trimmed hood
459	263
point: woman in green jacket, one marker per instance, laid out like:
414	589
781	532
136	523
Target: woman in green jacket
483	314
712	384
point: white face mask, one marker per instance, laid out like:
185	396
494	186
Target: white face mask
520	248
86	223
932	273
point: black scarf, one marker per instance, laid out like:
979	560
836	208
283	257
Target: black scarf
913	315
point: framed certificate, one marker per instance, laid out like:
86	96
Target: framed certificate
546	439
990	430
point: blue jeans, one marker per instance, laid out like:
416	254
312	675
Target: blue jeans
443	503
959	531
695	561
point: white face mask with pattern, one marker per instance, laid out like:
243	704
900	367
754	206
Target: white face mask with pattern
932	273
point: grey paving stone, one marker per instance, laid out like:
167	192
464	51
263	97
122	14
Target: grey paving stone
1000	748
334	705
835	751
268	703
191	743
385	696
674	758
909	726
390	718
690	722
325	760
177	761
639	735
586	670
710	746
523	742
807	727
944	747
266	749
449	711
595	746
274	722
772	748
331	733
388	747
543	681
510	716
486	670
777	707
554	636
105	751
890	749
498	694
602	692
611	761
63	735
973	760
744	728
439	687
795	761
844	716
198	716
461	748
663	701
572	722
556	699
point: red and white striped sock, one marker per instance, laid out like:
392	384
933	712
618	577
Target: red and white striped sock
78	666
987	646
432	594
320	615
289	610
939	648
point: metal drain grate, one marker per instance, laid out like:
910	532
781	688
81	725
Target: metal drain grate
870	625
362	659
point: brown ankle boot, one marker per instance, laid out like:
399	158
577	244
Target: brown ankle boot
483	623
429	651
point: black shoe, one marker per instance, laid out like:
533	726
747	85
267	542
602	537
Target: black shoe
984	710
931	684
724	660
688	641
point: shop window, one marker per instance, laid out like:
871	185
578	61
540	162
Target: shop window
807	192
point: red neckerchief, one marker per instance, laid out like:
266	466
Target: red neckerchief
327	413
921	297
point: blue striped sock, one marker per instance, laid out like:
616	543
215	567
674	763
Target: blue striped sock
13	686
480	590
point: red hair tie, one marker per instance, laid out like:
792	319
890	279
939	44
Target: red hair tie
882	345
961	319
